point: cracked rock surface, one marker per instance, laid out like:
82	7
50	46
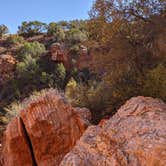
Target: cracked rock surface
134	136
46	129
48	132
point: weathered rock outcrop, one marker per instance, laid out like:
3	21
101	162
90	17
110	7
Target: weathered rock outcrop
47	129
61	53
134	136
17	151
84	59
51	128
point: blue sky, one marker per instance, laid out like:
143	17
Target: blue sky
13	12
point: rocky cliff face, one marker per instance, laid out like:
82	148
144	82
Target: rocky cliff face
16	150
60	53
135	136
46	129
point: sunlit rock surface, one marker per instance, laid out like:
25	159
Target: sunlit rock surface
134	136
52	127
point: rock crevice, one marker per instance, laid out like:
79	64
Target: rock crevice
29	143
46	129
51	132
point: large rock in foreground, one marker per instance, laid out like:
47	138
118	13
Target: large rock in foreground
134	136
51	128
16	150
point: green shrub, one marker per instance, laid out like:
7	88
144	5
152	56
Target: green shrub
70	90
57	31
61	71
76	36
34	49
56	78
27	67
92	96
32	28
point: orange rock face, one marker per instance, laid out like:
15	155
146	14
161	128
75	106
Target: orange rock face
52	127
134	136
16	149
59	55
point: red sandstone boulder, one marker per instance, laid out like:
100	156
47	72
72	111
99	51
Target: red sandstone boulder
52	127
134	136
16	149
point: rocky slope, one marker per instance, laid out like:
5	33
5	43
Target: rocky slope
135	136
